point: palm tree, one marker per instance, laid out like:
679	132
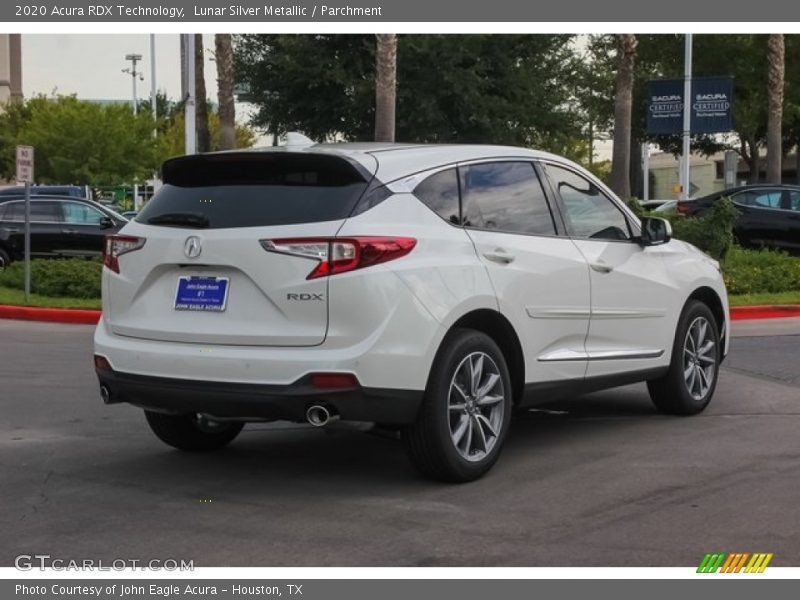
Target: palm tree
623	102
201	105
227	112
775	83
385	86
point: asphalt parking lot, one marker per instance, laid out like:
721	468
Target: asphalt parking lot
598	480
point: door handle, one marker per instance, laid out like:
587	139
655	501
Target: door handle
12	229
601	267
499	256
69	231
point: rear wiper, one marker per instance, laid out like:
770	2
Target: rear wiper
198	220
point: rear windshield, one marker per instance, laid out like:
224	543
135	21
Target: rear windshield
254	190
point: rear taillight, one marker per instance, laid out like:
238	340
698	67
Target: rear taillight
683	207
339	255
116	246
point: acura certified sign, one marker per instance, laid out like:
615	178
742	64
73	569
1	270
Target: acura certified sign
711	105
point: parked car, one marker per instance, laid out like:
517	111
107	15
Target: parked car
670	207
425	288
60	227
770	214
73	191
652	204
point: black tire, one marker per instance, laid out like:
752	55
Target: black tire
430	441
190	433
670	393
5	259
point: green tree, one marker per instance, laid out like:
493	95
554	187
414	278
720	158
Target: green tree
78	142
509	89
171	141
741	56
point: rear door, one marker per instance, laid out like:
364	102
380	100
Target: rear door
540	278
762	220
223	221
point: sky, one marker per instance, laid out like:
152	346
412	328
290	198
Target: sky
91	65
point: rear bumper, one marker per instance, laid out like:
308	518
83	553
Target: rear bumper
259	401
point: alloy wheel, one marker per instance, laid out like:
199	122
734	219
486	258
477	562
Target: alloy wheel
476	403
699	358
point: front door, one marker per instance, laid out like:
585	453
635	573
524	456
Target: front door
633	301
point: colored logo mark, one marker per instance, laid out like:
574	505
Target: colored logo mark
741	562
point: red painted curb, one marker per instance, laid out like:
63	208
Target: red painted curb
53	315
778	311
91	317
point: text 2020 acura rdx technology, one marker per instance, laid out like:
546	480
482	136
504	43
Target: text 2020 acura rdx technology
426	288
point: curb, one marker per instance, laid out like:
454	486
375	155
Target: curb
91	317
776	311
52	315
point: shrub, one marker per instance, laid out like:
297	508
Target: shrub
760	271
73	278
636	207
713	232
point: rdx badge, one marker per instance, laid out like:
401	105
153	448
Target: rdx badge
304	297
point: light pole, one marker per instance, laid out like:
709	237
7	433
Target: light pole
687	118
134	58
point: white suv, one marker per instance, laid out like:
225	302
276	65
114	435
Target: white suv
426	288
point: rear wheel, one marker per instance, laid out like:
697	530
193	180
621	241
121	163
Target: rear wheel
194	433
689	384
5	259
466	411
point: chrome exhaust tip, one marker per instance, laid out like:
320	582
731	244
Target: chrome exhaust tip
319	416
105	394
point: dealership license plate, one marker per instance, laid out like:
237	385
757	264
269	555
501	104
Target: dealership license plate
202	293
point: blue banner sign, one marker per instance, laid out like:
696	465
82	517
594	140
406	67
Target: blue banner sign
712	104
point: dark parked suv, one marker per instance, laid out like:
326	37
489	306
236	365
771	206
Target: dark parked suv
61	226
770	214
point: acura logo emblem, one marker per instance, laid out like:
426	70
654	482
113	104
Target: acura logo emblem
192	248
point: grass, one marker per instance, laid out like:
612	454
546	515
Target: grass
17	297
792	297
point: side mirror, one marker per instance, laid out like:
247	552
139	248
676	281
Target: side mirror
655	231
106	223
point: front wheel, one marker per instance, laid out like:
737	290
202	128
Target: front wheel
466	411
689	384
193	433
5	259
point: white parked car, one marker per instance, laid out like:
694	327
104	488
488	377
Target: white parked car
427	288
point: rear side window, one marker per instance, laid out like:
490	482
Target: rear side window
794	201
43	212
255	190
505	196
439	192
